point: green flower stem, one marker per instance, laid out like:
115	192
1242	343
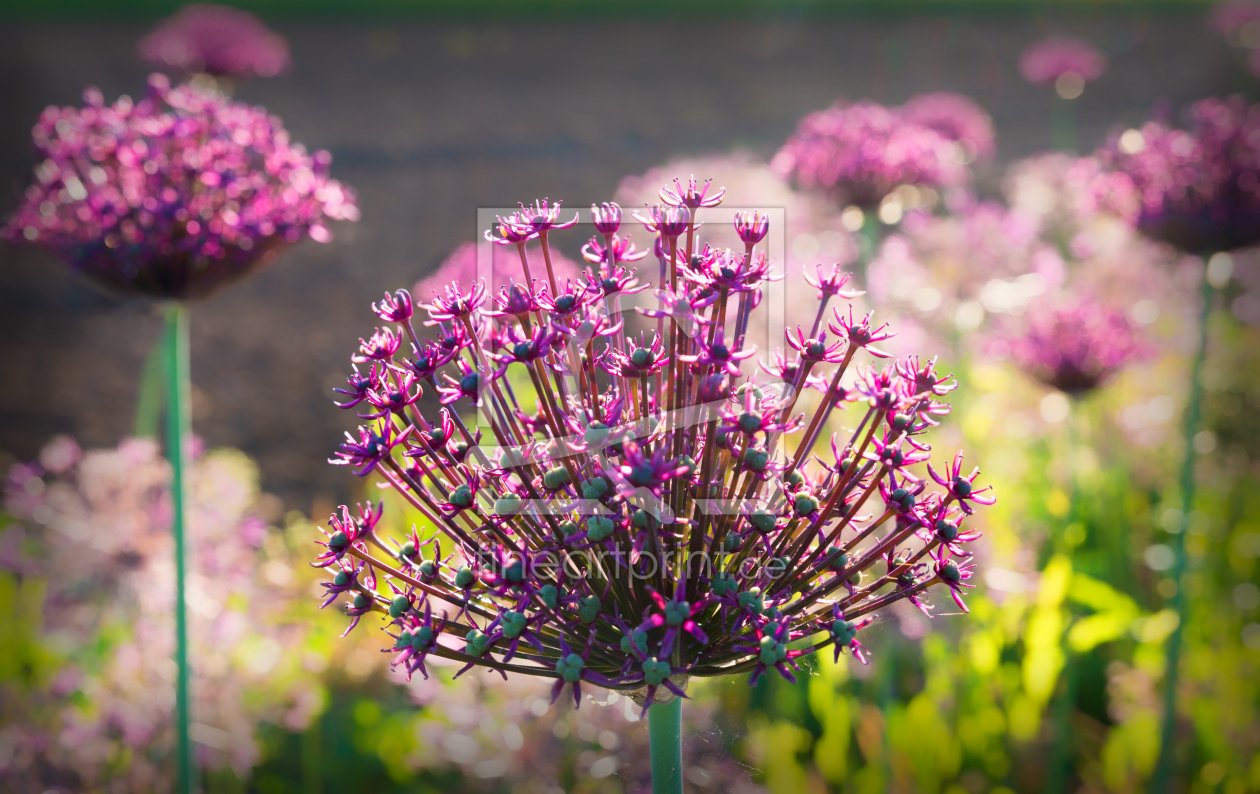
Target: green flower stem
1194	410
151	393
1063	125
178	432
665	743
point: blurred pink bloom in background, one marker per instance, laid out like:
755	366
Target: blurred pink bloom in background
217	40
861	151
98	528
174	195
1076	347
959	118
1048	60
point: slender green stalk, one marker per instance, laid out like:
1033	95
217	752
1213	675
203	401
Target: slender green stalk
1063	125
178	389
151	393
1164	768
665	743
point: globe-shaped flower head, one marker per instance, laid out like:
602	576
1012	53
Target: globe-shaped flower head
1076	347
649	511
215	40
1199	187
175	195
861	151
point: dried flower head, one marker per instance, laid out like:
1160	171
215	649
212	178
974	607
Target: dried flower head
217	40
175	195
661	513
1198	188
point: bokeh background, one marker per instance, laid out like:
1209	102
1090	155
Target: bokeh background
432	113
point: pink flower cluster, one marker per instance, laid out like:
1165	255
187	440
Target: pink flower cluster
217	40
861	151
1076	347
96	527
1048	60
957	117
1198	188
175	195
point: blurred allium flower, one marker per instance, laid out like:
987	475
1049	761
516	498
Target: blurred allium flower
656	518
99	524
861	151
1075	348
217	40
1051	59
1064	230
959	118
173	196
1198	188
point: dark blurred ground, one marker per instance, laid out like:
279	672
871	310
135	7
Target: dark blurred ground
428	122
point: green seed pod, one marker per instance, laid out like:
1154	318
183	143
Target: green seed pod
476	641
399	606
462	496
465	577
756	459
550	595
762	520
598	528
588	609
508	505
596	433
804	504
556	478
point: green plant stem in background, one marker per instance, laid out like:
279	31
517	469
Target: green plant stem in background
151	393
178	432
869	243
1063	125
1194	408
665	744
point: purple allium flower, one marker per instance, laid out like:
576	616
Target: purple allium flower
957	117
217	40
1076	348
1198	188
660	514
175	195
861	151
1047	60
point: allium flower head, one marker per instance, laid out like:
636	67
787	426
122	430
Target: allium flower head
175	195
862	151
957	117
1048	60
1198	188
217	40
662	513
1077	347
